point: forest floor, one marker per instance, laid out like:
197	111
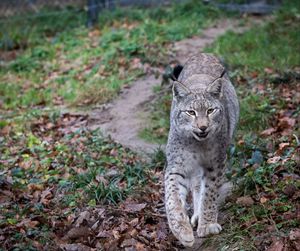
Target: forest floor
67	185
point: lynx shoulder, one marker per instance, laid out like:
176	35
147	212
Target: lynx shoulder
204	115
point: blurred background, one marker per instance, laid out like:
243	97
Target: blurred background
58	14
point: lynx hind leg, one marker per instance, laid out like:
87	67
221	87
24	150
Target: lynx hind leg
175	201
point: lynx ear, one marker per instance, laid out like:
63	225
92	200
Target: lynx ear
215	88
180	90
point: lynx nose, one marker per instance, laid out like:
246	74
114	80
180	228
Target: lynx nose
203	128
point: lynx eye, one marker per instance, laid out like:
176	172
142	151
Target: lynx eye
191	112
210	111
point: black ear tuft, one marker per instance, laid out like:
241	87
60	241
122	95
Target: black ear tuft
176	72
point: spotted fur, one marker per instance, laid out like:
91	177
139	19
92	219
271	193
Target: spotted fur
204	115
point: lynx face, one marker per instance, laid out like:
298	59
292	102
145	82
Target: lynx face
199	115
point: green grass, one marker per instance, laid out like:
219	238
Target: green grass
62	62
272	45
157	130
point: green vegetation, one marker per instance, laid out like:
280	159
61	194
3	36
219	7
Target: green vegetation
157	130
266	47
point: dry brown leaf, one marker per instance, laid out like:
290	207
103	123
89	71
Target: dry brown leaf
268	131
5	130
77	232
263	200
128	243
140	246
116	234
276	246
134	222
101	179
104	234
28	223
83	216
26	164
282	146
35	187
46	196
268	70
245	201
132	207
75	247
286	123
273	160
289	190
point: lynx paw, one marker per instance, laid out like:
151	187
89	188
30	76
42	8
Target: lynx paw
185	235
207	229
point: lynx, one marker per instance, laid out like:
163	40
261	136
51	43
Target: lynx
203	118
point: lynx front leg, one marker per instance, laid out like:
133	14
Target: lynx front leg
205	196
175	201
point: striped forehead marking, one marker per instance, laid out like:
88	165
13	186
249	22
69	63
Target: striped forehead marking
200	102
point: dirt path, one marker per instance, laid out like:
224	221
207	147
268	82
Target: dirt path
123	118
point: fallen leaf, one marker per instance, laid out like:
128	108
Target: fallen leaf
140	246
104	234
35	187
28	223
83	216
245	201
128	243
5	130
268	70
289	190
134	222
263	200
286	123
282	146
116	234
268	131
77	232
132	208
75	247
46	196
273	160
276	246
